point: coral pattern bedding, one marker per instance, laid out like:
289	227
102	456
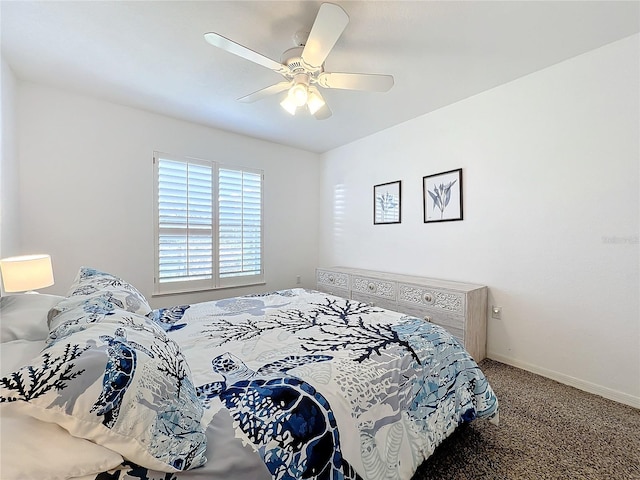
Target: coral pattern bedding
290	384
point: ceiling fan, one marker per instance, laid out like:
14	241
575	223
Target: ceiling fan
303	66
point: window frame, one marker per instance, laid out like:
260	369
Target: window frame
216	282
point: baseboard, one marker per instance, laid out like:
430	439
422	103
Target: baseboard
605	392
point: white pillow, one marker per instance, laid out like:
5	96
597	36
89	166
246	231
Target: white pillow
24	316
18	353
21	442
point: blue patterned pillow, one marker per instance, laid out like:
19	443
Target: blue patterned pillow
120	382
99	293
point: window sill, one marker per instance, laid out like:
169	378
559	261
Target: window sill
213	289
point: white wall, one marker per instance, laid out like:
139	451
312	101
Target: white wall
86	189
9	202
551	208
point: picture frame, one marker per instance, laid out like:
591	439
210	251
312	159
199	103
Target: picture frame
442	196
387	198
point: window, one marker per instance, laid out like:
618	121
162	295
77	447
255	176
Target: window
208	225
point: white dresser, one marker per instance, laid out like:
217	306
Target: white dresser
461	308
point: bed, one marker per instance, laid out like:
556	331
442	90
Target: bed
288	384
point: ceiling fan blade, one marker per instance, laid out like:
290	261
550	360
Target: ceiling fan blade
323	113
356	81
265	92
232	47
327	28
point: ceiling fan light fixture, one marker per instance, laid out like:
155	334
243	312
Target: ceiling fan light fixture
299	94
315	102
289	105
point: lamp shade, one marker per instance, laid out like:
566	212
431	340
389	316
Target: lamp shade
27	272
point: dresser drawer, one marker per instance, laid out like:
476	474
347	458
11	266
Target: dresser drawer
338	292
374	301
455	333
453	302
452	322
375	287
332	279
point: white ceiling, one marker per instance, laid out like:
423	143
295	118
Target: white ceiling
152	55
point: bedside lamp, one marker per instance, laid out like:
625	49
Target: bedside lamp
26	273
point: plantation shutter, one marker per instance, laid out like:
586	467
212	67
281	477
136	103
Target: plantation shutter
239	224
185	222
208	225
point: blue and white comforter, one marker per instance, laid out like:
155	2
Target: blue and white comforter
287	385
301	384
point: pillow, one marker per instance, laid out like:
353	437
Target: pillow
100	293
24	316
120	382
17	353
64	457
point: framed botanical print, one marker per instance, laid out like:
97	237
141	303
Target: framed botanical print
442	196
386	203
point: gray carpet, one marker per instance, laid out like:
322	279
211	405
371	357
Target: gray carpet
547	431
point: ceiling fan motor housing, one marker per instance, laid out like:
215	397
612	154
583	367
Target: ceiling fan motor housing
292	59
